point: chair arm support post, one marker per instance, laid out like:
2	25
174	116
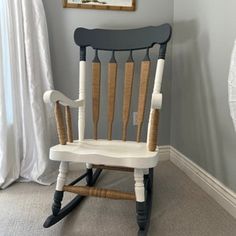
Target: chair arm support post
81	114
61	130
68	124
155	106
61	179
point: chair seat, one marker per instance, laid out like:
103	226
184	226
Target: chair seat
104	152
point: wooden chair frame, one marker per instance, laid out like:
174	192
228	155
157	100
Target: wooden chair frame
116	40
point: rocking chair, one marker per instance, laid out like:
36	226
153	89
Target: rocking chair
99	154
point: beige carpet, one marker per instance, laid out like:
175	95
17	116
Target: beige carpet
180	208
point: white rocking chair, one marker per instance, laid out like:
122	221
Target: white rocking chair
110	154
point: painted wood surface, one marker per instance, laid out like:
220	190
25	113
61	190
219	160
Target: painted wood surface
52	96
61	178
105	152
154	113
123	40
139	185
81	112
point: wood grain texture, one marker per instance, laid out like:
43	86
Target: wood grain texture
128	84
61	131
99	6
153	130
99	192
112	76
113	168
96	71
143	87
69	130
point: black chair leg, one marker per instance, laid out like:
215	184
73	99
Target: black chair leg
56	206
89	178
60	213
143	209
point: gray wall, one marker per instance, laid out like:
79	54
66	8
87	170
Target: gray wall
201	127
64	53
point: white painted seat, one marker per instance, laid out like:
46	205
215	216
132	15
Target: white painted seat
104	152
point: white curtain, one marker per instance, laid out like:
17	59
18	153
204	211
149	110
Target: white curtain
232	86
26	124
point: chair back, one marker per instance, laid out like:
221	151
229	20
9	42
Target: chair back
114	41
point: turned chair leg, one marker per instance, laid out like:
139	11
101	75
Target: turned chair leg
89	178
141	207
58	196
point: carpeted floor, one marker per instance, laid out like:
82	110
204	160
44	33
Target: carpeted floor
180	208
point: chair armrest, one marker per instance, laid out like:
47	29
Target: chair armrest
156	101
54	96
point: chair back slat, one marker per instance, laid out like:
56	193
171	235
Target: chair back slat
128	84
68	124
96	73
143	88
112	75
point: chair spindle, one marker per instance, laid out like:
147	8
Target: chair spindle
128	84
154	121
99	192
112	76
61	131
143	87
96	71
68	124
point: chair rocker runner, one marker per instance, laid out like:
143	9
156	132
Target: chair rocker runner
98	154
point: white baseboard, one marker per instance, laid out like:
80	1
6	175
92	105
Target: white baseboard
164	153
218	191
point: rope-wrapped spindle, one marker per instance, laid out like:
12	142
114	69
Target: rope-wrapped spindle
68	124
61	131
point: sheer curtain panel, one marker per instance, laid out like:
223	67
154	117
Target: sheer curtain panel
232	86
26	127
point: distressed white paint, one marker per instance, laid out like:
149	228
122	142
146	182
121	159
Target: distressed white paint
139	185
52	96
163	155
159	75
114	153
61	179
81	114
156	101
